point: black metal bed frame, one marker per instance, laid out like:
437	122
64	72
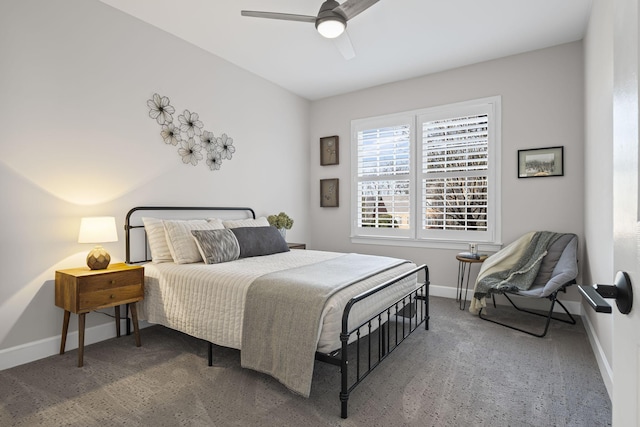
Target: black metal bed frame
128	227
393	324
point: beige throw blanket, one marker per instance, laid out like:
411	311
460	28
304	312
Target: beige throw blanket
513	268
505	259
283	315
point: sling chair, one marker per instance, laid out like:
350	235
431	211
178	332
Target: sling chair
557	269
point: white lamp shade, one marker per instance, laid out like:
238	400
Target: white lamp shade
98	229
331	28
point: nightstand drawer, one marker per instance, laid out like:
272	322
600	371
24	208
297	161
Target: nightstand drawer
110	296
109	281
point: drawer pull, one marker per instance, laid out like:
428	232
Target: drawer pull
112	296
113	282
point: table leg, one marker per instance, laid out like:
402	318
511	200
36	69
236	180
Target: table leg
459	282
134	318
117	313
128	321
466	291
80	338
65	328
462	268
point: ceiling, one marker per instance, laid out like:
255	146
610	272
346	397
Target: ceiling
393	40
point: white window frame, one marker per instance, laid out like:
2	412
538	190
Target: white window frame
415	236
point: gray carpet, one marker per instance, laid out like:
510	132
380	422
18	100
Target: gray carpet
462	372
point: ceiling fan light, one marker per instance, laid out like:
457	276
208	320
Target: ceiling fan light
331	27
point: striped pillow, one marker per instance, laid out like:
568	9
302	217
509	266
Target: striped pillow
235	223
181	243
157	240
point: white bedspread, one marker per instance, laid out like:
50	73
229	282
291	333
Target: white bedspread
207	301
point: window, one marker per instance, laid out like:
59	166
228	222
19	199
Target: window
428	177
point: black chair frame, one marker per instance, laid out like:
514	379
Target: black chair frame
553	298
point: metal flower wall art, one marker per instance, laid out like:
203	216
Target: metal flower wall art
189	135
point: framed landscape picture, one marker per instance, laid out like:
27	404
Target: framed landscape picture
541	162
329	193
329	150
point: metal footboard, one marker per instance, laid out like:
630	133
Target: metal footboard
377	337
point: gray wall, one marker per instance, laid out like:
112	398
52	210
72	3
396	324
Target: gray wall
542	98
77	141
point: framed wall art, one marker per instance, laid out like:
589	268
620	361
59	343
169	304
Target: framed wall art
541	162
329	193
329	150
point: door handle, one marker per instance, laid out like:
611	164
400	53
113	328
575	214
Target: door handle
621	291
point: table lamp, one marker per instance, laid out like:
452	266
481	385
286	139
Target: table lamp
98	229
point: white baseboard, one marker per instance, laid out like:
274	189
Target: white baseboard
46	347
603	364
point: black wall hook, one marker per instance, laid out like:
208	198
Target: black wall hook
621	291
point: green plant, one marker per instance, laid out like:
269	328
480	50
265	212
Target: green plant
282	220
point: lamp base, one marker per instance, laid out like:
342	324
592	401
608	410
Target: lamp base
98	258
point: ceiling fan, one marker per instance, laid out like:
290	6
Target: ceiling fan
331	21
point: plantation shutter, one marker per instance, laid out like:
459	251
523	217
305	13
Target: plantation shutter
383	178
454	181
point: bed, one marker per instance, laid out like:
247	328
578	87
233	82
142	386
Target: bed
241	283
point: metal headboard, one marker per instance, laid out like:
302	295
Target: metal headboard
161	210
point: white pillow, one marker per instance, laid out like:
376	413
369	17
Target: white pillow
182	245
157	240
260	222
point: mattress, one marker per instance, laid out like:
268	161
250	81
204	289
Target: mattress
207	301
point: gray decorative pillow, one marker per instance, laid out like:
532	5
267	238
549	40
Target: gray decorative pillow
257	241
217	246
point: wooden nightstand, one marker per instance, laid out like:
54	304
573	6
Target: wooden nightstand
297	245
81	290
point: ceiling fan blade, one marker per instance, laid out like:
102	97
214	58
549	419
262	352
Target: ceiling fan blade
352	8
344	45
283	16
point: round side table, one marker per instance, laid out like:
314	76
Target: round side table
464	266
